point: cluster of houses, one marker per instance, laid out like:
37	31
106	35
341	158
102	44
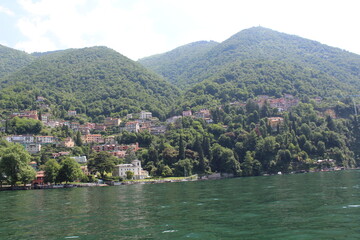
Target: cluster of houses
31	143
201	114
281	104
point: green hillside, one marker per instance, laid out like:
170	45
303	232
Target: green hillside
12	60
262	44
96	81
248	79
174	64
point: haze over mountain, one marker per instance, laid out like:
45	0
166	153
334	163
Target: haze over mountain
96	81
259	44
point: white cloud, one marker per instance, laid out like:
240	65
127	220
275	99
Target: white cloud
141	28
6	11
59	24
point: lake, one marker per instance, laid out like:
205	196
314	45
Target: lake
322	205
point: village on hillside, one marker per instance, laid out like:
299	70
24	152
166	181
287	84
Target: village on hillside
97	137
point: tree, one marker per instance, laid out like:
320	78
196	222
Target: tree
224	160
183	167
27	174
251	166
166	171
52	168
78	140
69	170
101	162
203	162
181	148
129	175
12	163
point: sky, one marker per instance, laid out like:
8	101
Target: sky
140	28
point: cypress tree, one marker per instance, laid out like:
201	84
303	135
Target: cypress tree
181	148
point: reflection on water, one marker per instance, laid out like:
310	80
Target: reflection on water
301	206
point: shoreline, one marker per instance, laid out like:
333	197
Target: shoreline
214	176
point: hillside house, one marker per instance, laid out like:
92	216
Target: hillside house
132	126
145	115
33	147
75	126
45	139
158	130
274	122
22	139
145	126
100	127
84	129
187	113
115	147
45	118
118	154
59	154
112	122
26	114
71	113
93	138
203	113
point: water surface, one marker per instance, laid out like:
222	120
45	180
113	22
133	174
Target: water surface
301	206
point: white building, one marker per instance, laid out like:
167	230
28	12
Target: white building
132	126
33	147
135	167
80	159
45	139
145	115
20	139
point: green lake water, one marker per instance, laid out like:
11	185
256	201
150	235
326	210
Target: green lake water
302	206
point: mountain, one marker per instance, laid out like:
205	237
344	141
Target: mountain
12	60
265	45
173	64
97	81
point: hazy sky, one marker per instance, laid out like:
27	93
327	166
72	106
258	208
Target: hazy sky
139	28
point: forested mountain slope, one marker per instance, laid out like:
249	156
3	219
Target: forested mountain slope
12	60
262	44
96	81
175	63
